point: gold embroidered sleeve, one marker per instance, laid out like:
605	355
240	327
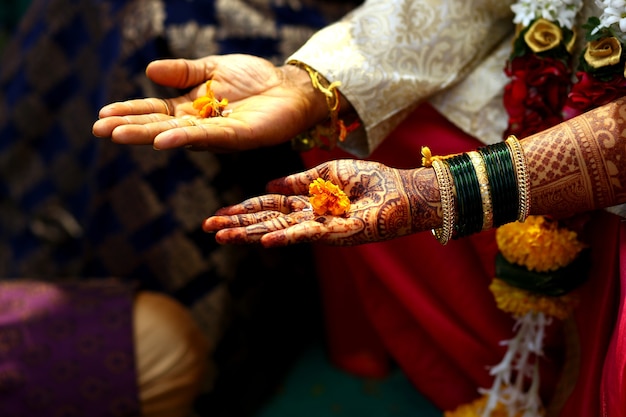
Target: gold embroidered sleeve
390	55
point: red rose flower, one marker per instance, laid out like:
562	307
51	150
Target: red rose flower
589	92
536	93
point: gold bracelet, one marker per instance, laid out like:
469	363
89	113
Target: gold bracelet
485	188
323	135
446	191
521	172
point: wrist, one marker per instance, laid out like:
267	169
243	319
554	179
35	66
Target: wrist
315	106
332	129
481	189
424	194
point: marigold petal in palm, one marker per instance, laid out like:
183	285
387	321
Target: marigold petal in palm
327	198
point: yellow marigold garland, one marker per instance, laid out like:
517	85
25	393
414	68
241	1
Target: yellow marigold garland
476	407
538	254
520	302
539	244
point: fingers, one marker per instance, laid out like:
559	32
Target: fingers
139	112
250	220
138	106
309	231
254	232
146	126
296	228
214	134
330	230
270	202
179	73
166	132
216	223
258	210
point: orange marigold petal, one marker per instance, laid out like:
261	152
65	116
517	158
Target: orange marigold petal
200	102
327	198
208	105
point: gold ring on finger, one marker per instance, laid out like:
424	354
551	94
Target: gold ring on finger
167	106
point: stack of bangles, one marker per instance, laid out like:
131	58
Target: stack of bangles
481	189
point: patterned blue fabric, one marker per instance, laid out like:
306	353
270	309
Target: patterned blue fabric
72	205
58	184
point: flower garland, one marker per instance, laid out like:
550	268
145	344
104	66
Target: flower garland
548	260
601	71
541	261
539	65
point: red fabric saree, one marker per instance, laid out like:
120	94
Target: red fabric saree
428	308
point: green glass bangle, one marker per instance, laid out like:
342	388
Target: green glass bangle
510	189
475	212
459	188
505	197
501	209
469	202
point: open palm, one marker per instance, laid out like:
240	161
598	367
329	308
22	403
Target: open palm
268	105
380	208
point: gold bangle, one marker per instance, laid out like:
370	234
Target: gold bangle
446	191
485	188
521	172
323	135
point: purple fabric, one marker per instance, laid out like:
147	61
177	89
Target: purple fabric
67	350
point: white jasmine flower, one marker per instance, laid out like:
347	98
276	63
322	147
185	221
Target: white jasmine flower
562	11
518	365
613	16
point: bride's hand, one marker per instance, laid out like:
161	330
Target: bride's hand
385	203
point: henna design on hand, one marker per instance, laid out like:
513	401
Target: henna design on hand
579	165
385	203
424	198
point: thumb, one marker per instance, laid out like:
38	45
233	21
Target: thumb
178	73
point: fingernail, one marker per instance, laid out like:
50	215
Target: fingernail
164	141
160	144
